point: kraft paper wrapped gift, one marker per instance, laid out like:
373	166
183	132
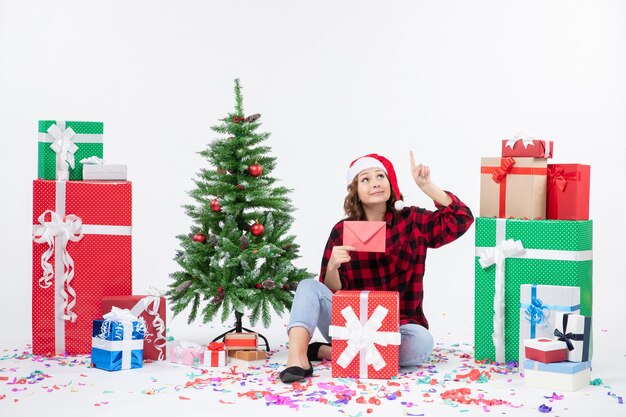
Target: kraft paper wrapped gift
575	330
241	341
522	147
215	355
82	252
117	341
559	376
365	333
568	192
512	252
247	355
187	353
545	350
63	144
539	308
513	187
150	308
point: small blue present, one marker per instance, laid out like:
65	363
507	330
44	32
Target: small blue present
117	341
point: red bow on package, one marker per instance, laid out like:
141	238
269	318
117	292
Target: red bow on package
558	177
506	164
216	346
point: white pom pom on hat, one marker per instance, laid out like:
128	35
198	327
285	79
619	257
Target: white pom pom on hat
373	160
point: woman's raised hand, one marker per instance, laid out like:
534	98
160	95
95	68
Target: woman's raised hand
421	173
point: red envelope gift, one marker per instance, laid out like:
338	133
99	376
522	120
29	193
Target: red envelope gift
81	253
365	236
568	192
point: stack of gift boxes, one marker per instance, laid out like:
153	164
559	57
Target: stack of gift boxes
82	262
533	264
82	259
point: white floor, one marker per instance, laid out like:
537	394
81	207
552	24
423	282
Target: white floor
32	386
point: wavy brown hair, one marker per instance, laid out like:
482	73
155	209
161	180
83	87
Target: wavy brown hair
353	206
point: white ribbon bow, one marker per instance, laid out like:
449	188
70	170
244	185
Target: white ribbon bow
151	304
526	138
64	146
362	337
92	160
123	339
497	256
59	231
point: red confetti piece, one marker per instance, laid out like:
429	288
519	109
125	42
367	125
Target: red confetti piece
180	397
226	402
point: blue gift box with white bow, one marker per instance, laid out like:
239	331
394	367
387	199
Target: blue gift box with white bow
117	344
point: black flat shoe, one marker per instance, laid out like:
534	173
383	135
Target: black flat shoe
295	374
313	350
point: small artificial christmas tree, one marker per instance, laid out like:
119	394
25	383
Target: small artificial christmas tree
239	254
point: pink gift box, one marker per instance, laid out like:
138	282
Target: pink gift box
187	353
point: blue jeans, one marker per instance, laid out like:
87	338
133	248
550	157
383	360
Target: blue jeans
312	306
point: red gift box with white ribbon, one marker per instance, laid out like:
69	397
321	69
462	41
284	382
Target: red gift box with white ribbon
365	332
81	252
527	147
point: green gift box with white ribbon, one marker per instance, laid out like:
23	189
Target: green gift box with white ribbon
511	252
63	144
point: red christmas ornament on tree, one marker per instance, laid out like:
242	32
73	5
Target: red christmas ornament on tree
199	237
259	286
257	229
241	187
255	170
215	205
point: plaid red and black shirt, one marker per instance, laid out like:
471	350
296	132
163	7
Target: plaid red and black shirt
410	232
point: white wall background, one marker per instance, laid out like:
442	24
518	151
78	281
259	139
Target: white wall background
333	80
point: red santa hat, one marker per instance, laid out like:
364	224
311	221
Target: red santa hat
376	161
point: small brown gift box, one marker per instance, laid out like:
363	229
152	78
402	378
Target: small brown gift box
241	341
247	355
513	188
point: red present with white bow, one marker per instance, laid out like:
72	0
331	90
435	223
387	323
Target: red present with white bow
526	145
81	253
150	308
545	350
215	355
365	333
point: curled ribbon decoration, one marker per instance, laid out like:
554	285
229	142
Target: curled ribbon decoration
537	313
363	337
497	256
59	231
506	164
64	147
151	305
